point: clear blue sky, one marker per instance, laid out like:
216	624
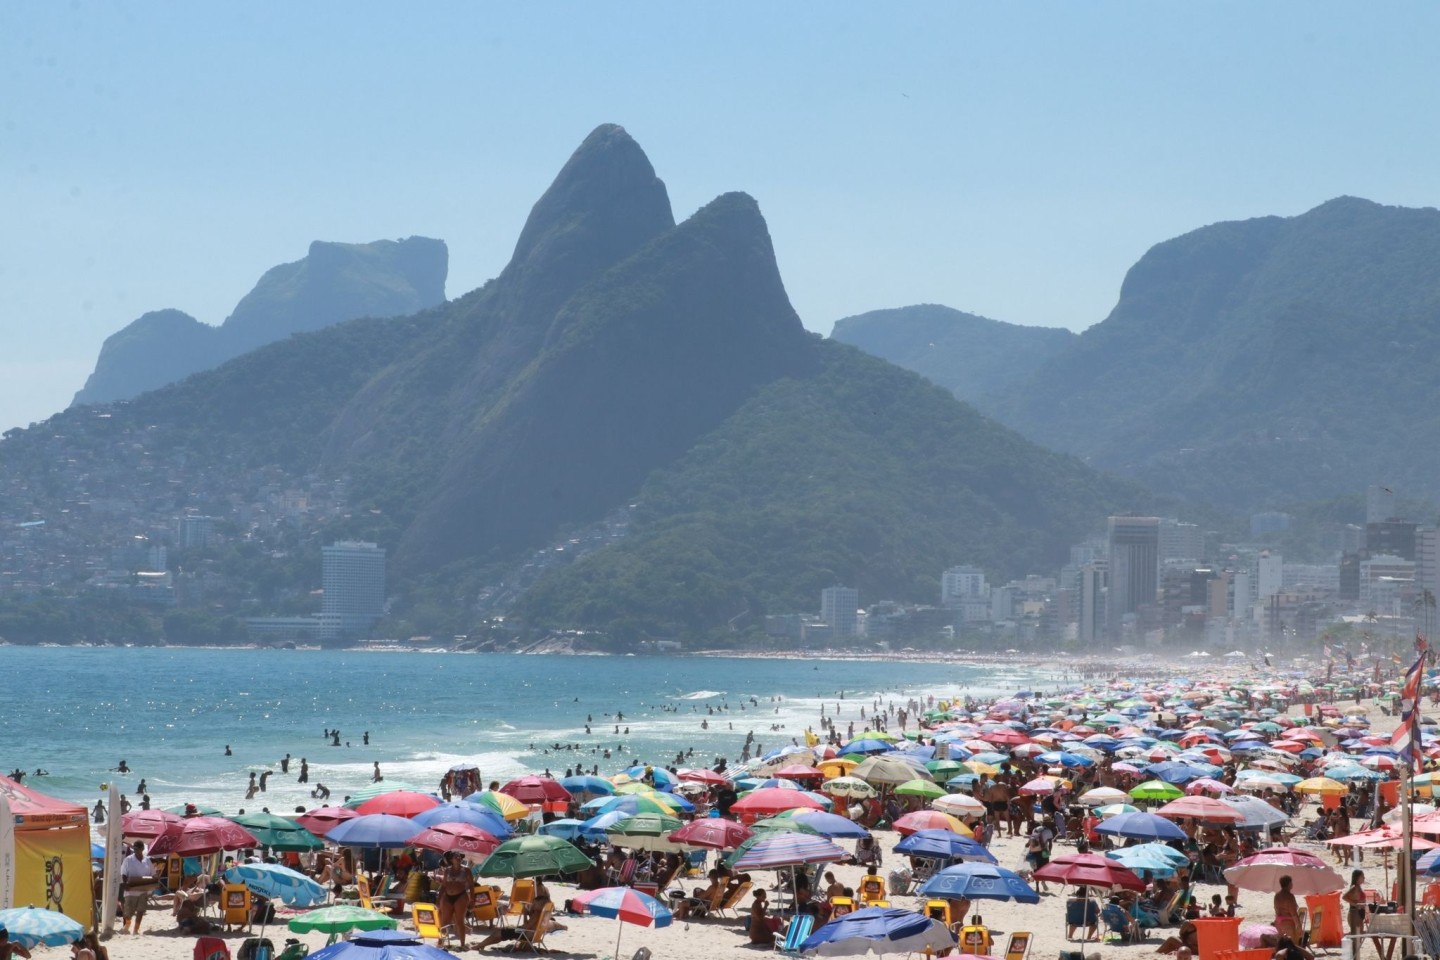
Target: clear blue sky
1009	159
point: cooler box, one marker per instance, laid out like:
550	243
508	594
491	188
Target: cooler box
1326	929
1217	934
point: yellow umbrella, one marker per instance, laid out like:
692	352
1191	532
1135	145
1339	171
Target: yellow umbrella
1322	787
836	767
986	768
502	803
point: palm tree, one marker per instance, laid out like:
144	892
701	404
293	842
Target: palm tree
1425	602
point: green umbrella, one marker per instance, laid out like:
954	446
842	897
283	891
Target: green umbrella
278	833
782	824
339	919
645	831
534	856
944	769
1156	790
920	788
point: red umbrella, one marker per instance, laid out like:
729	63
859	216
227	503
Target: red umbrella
463	837
1262	871
1005	738
147	824
1201	808
701	775
533	789
1090	870
399	803
768	801
713	832
194	836
917	820
322	820
799	771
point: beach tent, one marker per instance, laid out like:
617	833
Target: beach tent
44	853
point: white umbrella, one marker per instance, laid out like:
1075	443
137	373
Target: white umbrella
958	805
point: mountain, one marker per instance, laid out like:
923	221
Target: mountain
335	282
1262	360
619	358
971	356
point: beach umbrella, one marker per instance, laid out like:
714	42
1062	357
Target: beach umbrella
879	930
195	836
1143	860
533	789
782	824
645	831
1208	785
1141	826
920	788
340	918
626	905
398	803
958	805
864	746
770	851
32	926
468	813
381	945
1041	786
378	831
534	856
147	824
322	820
929	820
462	837
1169	854
1090	870
1321	787
1156	790
827	824
276	882
770	801
566	829
372	790
888	771
193	810
1102	796
502	803
1262	871
278	833
1256	812
1115	809
974	880
848	786
702	775
1201	808
944	769
943	845
585	785
713	833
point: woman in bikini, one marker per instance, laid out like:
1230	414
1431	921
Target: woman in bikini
1355	898
452	901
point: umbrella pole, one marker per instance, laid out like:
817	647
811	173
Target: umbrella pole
619	929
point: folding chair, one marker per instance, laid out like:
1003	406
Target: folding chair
1018	946
235	899
732	902
796	934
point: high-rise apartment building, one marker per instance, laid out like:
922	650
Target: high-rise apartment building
962	583
353	575
1134	567
838	608
1092	601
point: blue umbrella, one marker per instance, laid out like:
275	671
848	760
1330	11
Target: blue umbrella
865	746
587	785
567	829
381	945
978	881
1143	861
471	813
97	851
31	926
879	930
594	828
830	824
1142	826
375	831
1070	760
943	845
277	882
1172	772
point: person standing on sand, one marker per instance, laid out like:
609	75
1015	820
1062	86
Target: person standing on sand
137	877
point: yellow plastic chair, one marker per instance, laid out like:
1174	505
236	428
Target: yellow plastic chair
533	936
427	922
521	894
235	901
1018	946
732	902
485	904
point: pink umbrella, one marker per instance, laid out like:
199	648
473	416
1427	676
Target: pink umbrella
1308	873
398	803
713	832
1090	870
147	824
533	789
1201	808
768	801
463	837
701	775
322	820
1208	785
194	836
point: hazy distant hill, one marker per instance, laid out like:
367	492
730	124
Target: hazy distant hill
620	356
1262	360
333	283
971	356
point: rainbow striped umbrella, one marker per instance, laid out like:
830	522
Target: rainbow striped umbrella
772	851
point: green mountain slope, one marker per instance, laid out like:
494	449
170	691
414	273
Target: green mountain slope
860	473
1252	362
971	356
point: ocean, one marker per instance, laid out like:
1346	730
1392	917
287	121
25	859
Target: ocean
171	712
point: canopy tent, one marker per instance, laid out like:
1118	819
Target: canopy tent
47	842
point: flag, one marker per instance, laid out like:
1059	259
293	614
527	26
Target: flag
1406	739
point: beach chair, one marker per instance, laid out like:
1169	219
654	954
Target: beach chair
211	948
878	903
799	930
1018	946
841	906
485	903
362	887
522	891
732	902
871	889
939	910
532	937
235	903
427	922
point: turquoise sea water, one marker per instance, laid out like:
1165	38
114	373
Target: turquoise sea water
170	713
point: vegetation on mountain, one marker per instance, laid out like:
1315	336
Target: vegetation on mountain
971	356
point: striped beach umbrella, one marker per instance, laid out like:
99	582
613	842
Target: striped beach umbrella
774	850
626	905
340	918
32	926
276	882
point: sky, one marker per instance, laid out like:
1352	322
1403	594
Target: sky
1011	160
